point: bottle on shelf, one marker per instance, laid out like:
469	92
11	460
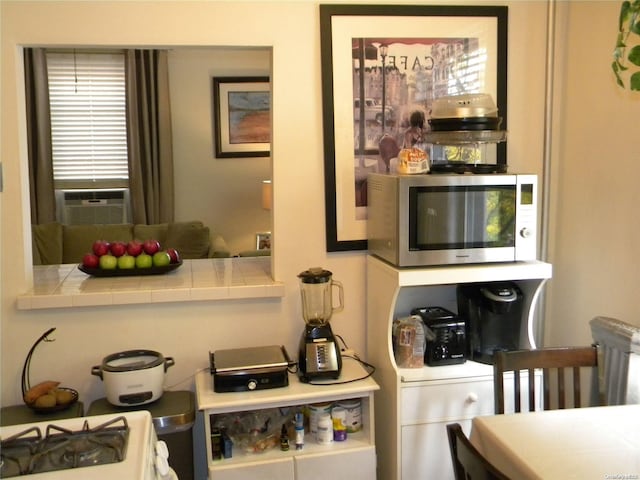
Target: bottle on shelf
339	417
299	431
284	438
325	429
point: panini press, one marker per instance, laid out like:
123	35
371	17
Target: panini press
245	369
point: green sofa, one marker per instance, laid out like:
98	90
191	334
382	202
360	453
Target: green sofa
55	243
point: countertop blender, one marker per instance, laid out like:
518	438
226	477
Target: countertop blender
319	353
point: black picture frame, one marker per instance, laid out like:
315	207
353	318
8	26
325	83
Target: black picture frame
335	22
246	102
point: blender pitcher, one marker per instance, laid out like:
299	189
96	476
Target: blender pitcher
319	353
316	288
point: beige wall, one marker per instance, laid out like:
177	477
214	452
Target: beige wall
595	230
224	193
188	332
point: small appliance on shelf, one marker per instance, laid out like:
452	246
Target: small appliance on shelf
464	131
496	319
446	341
319	353
252	368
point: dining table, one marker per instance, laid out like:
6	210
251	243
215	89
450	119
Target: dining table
579	443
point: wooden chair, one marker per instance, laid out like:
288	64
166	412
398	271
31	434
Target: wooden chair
468	462
559	360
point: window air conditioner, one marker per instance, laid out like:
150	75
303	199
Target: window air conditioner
81	207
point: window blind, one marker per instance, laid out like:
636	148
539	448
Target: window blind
88	118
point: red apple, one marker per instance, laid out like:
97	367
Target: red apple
100	247
151	246
174	255
134	248
90	260
118	249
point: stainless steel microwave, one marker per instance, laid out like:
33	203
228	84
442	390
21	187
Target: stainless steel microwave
444	219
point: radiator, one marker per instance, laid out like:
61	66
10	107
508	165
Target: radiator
619	345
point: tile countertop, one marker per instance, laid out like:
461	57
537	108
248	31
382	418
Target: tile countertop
64	286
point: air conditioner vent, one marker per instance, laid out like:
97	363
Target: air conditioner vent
82	207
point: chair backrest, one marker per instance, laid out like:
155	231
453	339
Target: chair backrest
559	360
468	462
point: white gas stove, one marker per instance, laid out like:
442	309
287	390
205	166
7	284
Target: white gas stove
120	446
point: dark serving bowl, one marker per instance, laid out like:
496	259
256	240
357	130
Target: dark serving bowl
116	272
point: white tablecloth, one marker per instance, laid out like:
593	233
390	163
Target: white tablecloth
583	443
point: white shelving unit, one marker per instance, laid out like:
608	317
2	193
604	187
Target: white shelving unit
354	458
417	403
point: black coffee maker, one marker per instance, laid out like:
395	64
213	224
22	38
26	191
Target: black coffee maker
494	314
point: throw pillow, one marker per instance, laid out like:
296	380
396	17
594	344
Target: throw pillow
191	239
156	231
47	243
78	239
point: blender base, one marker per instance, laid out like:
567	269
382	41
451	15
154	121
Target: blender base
319	354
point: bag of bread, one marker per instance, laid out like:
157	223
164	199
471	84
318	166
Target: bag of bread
409	342
412	160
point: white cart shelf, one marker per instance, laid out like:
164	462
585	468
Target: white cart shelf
417	403
352	459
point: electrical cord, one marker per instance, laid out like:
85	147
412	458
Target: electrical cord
292	367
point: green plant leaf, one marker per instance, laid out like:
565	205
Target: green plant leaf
634	55
624	11
616	70
634	82
620	66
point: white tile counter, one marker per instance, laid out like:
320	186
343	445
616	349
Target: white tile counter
64	286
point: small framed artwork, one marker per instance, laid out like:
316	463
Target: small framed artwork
263	241
242	116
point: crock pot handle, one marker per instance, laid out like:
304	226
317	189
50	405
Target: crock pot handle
168	362
97	371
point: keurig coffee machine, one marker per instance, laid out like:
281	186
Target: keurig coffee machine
494	315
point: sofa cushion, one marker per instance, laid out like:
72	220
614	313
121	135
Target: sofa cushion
78	239
191	239
156	231
47	243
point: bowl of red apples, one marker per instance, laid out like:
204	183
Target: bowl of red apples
118	258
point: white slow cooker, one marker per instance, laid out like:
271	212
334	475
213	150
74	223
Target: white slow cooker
133	377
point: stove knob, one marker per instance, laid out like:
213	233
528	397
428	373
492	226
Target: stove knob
252	385
162	466
162	454
162	449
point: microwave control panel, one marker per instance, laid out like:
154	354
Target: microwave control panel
527	216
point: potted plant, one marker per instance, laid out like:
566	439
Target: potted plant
629	23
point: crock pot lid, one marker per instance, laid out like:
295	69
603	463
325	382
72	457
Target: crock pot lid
315	275
132	360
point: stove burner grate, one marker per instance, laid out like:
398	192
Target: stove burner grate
29	452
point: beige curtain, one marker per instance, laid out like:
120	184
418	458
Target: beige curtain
150	147
41	190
